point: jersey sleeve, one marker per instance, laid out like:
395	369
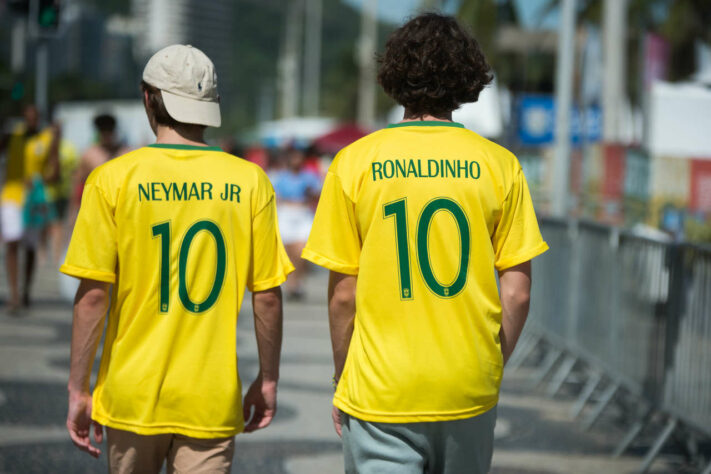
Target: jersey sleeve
270	265
517	238
334	242
93	249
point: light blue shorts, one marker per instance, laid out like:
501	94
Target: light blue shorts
440	447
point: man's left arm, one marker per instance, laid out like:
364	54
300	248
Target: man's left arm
90	306
515	285
260	402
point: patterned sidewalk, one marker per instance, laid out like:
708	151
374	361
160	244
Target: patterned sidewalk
534	434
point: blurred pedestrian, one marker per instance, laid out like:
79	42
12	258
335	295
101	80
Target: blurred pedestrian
13	199
413	221
179	228
107	146
296	189
42	171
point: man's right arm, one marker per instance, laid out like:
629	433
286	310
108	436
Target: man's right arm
341	315
261	396
90	305
515	287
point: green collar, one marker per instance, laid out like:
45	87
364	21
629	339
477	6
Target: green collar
184	147
426	123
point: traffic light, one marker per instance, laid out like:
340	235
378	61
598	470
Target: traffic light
48	15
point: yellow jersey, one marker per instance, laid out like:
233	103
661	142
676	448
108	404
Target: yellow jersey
180	231
13	189
37	152
423	213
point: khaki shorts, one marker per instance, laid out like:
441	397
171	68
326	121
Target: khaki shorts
130	452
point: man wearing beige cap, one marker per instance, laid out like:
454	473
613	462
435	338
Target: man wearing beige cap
179	229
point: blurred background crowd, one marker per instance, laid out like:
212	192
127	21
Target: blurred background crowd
297	83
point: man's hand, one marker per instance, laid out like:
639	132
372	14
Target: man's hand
79	423
262	397
337	422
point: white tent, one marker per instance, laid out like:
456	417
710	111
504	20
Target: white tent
679	120
297	129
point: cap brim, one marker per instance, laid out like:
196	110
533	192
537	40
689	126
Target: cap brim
186	110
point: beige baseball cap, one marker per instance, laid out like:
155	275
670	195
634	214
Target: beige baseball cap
188	84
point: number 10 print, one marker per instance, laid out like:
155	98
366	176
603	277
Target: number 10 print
163	231
398	208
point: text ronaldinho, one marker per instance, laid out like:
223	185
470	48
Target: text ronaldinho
407	168
159	191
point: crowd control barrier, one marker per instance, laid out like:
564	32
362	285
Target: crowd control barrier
634	313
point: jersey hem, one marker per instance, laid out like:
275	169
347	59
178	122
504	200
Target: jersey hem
166	429
521	257
325	262
380	417
272	282
79	272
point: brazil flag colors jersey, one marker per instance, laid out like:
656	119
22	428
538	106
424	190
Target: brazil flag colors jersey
422	213
37	152
14	188
180	231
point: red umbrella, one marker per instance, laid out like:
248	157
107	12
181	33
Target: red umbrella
338	138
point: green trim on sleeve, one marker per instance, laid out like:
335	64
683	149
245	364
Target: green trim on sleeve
521	257
79	272
425	123
325	262
184	147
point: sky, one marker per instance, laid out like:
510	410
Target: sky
396	11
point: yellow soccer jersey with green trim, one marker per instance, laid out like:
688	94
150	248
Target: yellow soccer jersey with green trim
423	213
180	231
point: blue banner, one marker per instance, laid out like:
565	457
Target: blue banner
535	116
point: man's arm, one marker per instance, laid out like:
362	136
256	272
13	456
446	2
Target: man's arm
341	314
90	305
52	167
515	287
261	395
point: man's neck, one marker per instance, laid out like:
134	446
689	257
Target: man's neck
426	117
184	135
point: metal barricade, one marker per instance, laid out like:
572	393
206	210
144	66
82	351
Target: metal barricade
635	310
642	281
551	294
687	387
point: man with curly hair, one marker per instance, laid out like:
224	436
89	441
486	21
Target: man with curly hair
414	222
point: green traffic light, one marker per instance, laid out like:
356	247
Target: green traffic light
48	17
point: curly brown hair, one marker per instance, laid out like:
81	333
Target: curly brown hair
432	65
